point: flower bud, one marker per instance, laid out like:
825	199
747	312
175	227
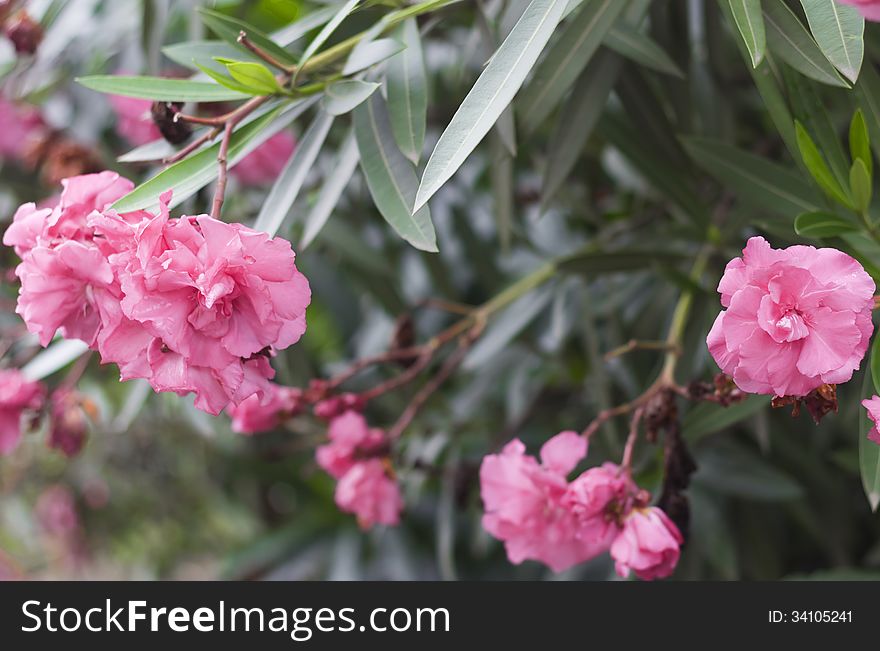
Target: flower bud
24	32
174	131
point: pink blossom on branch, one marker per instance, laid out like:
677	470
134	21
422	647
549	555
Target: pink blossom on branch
796	318
17	395
252	415
872	405
870	9
648	545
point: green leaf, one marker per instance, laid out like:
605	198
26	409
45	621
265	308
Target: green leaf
327	31
255	77
286	188
343	96
369	53
407	92
868	94
869	452
225	80
58	355
839	30
816	165
341	172
860	185
160	89
490	95
391	178
297	29
818	225
155	150
640	48
860	142
566	59
197	55
753	178
734	470
188	176
788	38
229	28
587	100
707	417
750	22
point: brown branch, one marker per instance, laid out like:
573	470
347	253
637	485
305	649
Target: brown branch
406	377
222	161
191	147
626	462
265	56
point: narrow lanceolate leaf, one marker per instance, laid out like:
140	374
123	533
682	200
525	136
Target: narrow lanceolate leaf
491	94
817	166
327	31
839	30
341	172
407	92
58	355
868	94
755	179
188	176
155	150
641	49
284	192
390	176
818	225
787	37
228	28
869	452
586	101
161	89
225	80
343	96
299	28
860	185
860	141
204	53
750	23
566	59
369	53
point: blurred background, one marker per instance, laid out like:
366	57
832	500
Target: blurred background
163	491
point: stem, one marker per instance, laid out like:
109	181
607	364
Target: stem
220	192
626	462
191	147
261	53
637	344
679	321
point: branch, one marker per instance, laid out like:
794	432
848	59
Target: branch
220	191
265	56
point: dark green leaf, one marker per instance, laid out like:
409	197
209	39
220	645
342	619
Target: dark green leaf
161	89
820	225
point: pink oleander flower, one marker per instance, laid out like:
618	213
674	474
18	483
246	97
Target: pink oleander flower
63	268
264	164
649	545
370	493
203	305
533	509
796	318
252	416
598	498
20	124
870	9
351	438
337	405
872	405
133	120
17	395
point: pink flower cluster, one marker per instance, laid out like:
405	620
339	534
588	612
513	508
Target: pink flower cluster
20	124
263	165
17	396
796	318
870	9
193	304
541	516
356	457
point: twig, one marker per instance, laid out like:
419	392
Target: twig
636	344
404	378
220	191
261	53
626	462
191	147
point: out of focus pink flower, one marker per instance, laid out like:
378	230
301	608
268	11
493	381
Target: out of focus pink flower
205	302
529	505
872	405
649	545
17	395
20	123
56	511
264	164
870	9
796	318
68	427
133	120
252	416
370	493
597	499
351	438
357	457
332	407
